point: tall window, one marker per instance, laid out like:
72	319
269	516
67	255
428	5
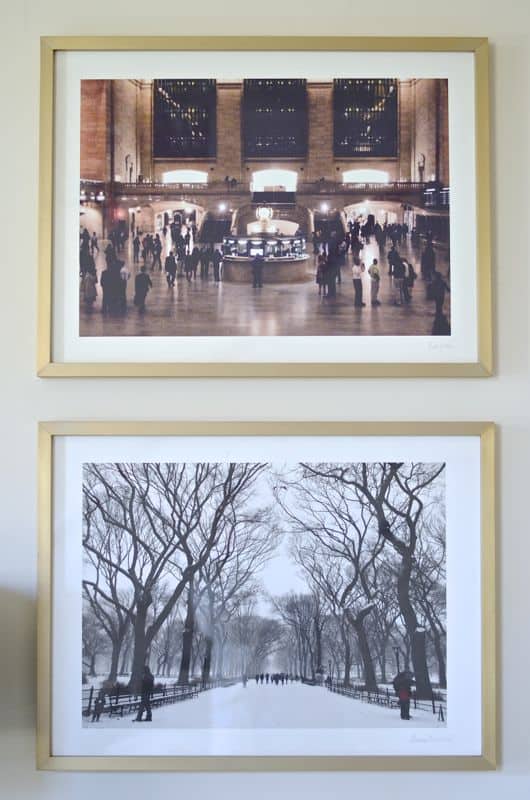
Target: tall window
365	117
275	118
184	119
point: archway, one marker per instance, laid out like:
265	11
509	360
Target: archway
365	176
265	180
185	176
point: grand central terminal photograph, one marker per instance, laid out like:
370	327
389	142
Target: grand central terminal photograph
264	207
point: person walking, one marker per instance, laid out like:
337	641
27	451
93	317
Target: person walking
398	272
171	269
195	258
188	266
147	686
375	281
357	273
142	284
94	243
393	259
320	277
402	684
99	706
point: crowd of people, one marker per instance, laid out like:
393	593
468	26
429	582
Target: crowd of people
185	259
276	678
331	256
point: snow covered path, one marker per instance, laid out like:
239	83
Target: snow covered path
269	706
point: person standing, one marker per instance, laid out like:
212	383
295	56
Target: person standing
257	272
136	249
195	258
357	273
428	262
94	243
124	275
217	259
438	289
157	252
375	281
88	285
148	682
142	284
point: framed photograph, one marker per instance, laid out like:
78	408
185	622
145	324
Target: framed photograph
275	207
267	596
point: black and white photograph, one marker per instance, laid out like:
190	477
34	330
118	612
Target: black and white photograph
239	595
231	592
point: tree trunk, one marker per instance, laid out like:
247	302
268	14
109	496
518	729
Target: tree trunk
382	661
440	657
139	659
115	659
366	657
187	638
416	636
347	663
92	670
318	645
207	663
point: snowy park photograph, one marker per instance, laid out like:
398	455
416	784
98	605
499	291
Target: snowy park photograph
263	596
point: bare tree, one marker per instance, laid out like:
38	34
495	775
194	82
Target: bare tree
338	546
95	642
397	494
171	516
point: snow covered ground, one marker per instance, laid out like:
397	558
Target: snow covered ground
269	706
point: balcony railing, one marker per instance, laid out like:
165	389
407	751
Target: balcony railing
427	194
325	187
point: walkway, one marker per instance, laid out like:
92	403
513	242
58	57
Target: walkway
269	706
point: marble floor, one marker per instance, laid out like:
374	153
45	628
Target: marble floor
204	308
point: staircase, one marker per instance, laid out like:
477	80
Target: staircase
213	229
328	224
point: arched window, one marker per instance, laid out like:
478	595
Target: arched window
365	176
274	179
185	176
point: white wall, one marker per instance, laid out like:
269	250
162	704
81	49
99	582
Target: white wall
25	399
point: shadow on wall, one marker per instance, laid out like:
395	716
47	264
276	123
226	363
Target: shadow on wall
17	661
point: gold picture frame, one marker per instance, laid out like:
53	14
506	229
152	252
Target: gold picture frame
51	432
49	366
